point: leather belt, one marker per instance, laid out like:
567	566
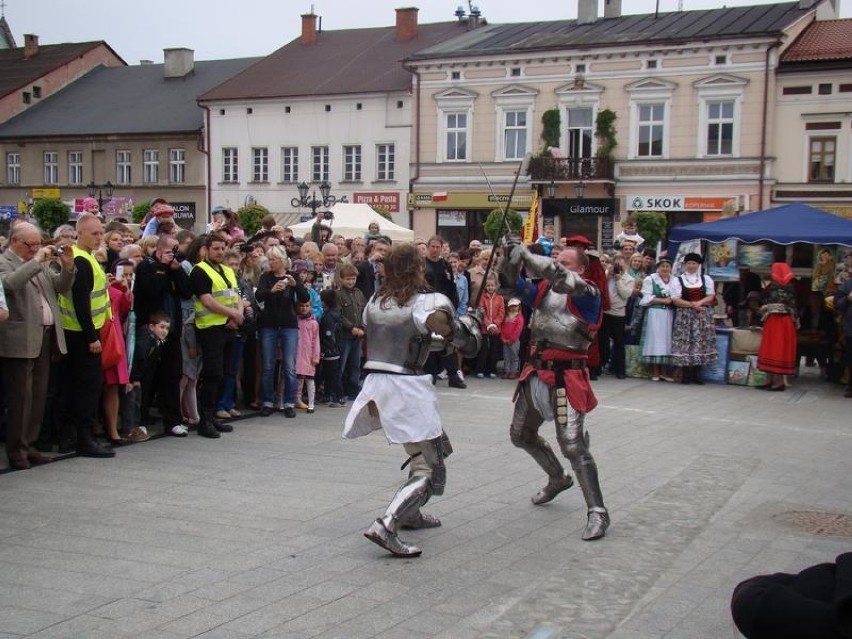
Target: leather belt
560	364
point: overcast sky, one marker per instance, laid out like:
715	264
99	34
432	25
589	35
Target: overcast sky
216	29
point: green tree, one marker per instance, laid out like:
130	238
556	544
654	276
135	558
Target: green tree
50	213
140	211
551	122
651	226
250	216
382	211
494	227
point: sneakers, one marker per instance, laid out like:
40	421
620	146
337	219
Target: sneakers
456	382
138	434
223	414
179	430
443	374
460	375
337	403
480	376
266	411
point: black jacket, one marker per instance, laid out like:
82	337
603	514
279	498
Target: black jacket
279	309
160	288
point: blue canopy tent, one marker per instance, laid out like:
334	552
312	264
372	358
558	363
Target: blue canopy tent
786	224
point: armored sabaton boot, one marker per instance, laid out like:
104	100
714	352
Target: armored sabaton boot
420	520
554	487
405	504
597	524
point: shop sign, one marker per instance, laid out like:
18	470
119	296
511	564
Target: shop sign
676	203
383	199
46	194
452	218
469	200
602	207
8	212
184	214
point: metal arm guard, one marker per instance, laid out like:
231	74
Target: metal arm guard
561	279
467	337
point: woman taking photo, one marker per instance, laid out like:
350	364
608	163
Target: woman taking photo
693	337
656	341
279	291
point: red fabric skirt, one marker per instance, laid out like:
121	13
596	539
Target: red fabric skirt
579	390
777	352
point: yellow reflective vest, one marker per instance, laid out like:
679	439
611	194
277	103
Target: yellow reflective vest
224	291
98	298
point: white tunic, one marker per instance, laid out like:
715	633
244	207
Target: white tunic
405	406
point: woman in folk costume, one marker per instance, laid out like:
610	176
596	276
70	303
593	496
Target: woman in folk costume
655	345
777	353
693	335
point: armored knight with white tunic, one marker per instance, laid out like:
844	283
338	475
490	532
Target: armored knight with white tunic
404	322
554	384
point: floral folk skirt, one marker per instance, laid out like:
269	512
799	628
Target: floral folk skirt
694	337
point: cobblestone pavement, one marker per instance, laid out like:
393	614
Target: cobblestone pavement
259	534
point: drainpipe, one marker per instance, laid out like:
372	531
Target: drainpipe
209	168
416	175
760	179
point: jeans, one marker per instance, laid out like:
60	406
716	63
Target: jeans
269	341
228	399
511	362
350	366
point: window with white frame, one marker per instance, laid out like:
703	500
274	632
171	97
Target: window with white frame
51	167
580	132
150	166
319	163
230	164
720	127
514	134
289	164
456	136
821	158
13	168
652	129
122	167
352	162
260	164
385	162
177	166
719	100
75	167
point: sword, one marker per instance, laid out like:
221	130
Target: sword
522	168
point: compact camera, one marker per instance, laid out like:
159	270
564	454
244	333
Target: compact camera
57	251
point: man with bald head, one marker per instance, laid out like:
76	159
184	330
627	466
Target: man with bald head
329	264
84	310
28	338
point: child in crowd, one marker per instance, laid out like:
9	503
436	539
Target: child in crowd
510	334
351	303
493	309
307	356
546	239
629	233
141	386
305	270
331	330
116	377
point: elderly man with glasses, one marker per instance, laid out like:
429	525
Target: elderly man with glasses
31	334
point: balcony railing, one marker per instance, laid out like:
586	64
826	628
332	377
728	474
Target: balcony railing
544	169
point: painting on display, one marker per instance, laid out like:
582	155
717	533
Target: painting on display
717	372
823	278
755	255
723	261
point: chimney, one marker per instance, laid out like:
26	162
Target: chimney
178	62
309	29
587	11
612	8
30	45
406	24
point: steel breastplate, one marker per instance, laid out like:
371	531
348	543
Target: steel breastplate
554	325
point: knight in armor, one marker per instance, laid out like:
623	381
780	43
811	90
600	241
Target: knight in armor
404	322
554	385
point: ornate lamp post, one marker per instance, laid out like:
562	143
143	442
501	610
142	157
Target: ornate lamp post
326	199
580	188
99	189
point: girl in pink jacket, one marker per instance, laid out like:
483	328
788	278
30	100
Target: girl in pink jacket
307	355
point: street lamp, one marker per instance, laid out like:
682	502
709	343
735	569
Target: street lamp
99	189
580	188
326	199
551	189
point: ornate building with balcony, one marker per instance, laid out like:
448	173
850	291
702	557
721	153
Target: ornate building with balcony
692	93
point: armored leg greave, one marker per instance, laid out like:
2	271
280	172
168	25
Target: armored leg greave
404	505
574	443
524	434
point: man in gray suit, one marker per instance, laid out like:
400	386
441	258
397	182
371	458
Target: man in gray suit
30	335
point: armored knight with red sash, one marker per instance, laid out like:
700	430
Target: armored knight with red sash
554	384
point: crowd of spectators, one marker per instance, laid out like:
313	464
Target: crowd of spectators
106	337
